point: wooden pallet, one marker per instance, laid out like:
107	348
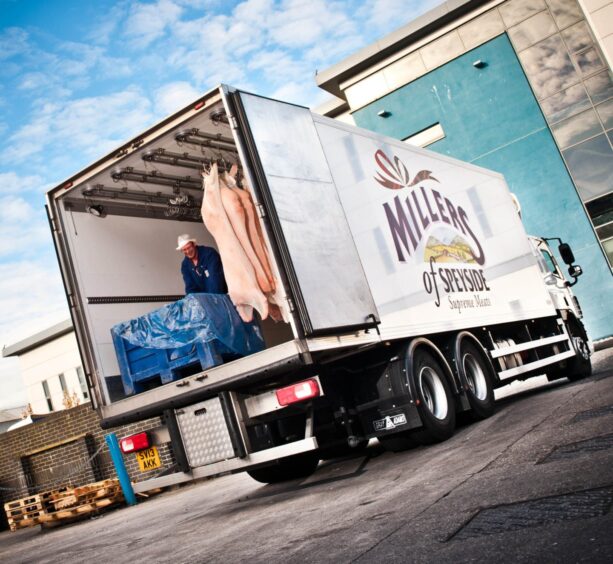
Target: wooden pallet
63	504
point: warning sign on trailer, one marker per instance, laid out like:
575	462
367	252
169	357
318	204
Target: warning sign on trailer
390	422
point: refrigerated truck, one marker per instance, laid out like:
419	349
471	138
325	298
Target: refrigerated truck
408	287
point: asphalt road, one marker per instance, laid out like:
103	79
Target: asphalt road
532	483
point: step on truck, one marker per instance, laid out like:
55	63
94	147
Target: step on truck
406	286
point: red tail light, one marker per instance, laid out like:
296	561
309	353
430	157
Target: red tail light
298	392
134	443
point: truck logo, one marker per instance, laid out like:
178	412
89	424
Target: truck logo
390	422
450	247
394	175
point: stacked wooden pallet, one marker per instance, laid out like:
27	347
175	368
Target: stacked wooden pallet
62	504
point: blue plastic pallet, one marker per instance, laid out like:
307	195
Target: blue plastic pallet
141	366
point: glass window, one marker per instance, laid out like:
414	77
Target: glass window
565	104
63	382
577	37
47	395
551	266
82	383
605	232
426	136
588	61
532	30
600	87
605	113
515	11
601	209
591	166
548	67
565	12
576	129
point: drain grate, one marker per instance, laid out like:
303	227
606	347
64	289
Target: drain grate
538	512
574	450
591	413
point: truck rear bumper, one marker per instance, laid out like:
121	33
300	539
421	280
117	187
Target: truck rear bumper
231	465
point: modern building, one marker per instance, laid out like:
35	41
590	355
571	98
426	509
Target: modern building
523	87
51	369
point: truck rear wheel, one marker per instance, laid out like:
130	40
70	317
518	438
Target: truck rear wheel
580	366
478	374
290	468
436	406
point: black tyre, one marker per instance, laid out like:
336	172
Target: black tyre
580	366
479	377
290	468
436	404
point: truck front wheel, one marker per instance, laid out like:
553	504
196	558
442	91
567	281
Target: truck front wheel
436	406
580	366
290	468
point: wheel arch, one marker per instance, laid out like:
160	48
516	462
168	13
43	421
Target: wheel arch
423	343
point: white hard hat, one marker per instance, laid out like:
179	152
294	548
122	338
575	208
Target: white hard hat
183	240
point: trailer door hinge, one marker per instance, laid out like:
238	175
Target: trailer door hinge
233	122
261	211
290	304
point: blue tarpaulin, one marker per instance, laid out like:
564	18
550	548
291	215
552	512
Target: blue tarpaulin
196	318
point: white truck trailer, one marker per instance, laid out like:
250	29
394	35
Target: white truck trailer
408	287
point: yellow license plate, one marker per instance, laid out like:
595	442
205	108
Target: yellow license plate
148	459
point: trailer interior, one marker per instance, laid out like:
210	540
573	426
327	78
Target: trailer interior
120	221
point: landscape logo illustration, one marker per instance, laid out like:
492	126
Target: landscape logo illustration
448	246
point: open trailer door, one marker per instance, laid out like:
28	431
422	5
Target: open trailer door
293	180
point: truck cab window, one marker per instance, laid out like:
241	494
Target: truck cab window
550	262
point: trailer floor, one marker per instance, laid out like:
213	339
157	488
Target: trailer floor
533	482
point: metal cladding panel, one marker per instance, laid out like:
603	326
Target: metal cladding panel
204	432
321	257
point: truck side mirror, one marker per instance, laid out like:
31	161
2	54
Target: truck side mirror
575	270
566	253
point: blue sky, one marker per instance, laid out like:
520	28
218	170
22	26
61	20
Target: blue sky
79	78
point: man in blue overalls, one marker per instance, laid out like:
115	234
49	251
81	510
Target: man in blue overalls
201	268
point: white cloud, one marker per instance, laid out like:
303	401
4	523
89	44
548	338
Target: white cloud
31	299
24	230
107	25
81	125
383	14
300	23
148	22
14	210
13	41
174	96
12	183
